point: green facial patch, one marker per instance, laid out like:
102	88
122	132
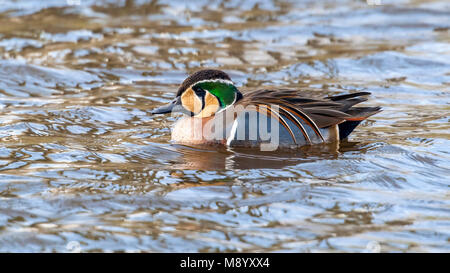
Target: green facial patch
226	93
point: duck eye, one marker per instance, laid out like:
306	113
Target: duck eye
199	91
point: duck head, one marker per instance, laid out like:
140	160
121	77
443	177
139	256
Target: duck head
203	94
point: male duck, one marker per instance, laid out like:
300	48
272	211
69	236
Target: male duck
217	113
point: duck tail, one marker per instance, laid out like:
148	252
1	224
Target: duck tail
358	114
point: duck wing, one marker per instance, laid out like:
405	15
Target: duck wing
315	112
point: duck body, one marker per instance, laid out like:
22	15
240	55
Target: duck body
218	114
184	132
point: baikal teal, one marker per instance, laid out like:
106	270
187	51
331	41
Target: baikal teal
209	96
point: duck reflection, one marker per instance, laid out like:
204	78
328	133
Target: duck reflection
219	158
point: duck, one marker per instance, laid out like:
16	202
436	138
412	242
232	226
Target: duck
215	112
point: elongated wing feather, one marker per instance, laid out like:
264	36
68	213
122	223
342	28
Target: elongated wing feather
317	112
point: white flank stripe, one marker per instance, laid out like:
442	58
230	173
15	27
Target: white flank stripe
233	132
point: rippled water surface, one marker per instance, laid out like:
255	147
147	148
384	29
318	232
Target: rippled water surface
82	161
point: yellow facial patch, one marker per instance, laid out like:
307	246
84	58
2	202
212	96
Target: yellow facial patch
211	106
191	101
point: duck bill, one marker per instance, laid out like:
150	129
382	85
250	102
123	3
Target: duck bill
174	106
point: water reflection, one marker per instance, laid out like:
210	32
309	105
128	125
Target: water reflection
220	158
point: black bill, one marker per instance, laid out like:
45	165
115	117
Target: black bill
174	106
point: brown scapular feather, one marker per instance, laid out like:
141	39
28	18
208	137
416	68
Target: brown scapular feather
323	112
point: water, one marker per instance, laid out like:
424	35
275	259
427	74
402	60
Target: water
84	166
